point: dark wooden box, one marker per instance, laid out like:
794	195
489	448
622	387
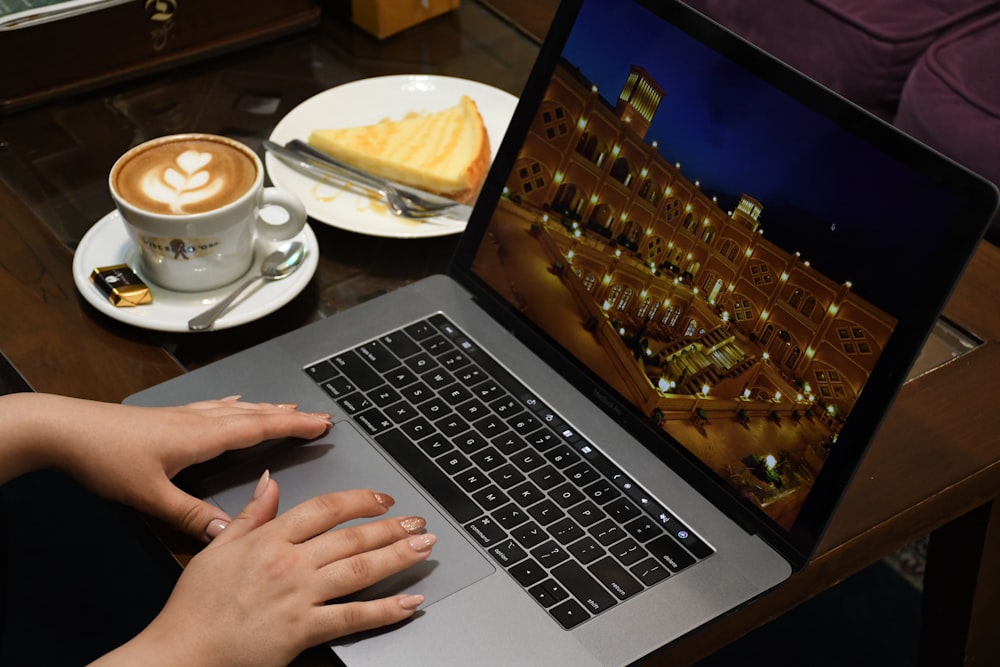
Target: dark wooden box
108	45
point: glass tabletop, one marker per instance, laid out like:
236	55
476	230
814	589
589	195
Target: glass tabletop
56	157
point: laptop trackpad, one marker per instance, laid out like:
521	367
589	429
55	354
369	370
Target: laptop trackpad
342	460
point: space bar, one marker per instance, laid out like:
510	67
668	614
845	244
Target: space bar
429	476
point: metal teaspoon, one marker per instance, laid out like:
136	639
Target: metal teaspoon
275	266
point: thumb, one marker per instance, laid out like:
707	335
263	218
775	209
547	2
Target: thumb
262	508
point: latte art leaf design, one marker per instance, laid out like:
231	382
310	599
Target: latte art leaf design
184	183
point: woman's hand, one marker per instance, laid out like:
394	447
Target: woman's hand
130	454
257	594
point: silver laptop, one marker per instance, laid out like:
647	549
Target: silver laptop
687	295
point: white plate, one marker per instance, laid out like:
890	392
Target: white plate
365	102
107	243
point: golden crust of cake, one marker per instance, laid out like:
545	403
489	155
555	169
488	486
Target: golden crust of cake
444	152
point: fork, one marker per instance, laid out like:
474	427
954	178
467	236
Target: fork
402	202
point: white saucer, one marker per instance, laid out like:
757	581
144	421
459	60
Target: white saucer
107	243
368	101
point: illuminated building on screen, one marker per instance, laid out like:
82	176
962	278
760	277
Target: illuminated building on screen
703	322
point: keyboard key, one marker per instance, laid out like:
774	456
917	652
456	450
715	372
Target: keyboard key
491	498
507	553
615	577
455	394
526	494
487	459
379	356
384	395
548	593
569	614
422	363
549	554
452	425
472	480
546	477
643	528
338	387
586	513
486	531
473	409
594	597
353	403
628	551
526	460
400	344
455	501
470	442
508	443
562	456
529	535
668	552
567	495
437	345
586	550
581	474
434	408
321	371
510	516
566	531
453	463
373	421
401	377
649	571
622	510
420	330
527	572
507	476
437	379
418	392
435	445
607	532
354	367
417	428
602	491
546	512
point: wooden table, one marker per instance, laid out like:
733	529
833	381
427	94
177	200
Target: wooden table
934	467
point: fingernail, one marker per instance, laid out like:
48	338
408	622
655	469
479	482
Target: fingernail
321	415
288	406
384	499
413	524
215	527
411	602
262	484
422	543
234	397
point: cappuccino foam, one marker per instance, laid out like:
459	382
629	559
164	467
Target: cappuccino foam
184	176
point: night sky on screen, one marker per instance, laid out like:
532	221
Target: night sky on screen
735	134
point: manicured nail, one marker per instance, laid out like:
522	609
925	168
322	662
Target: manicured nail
422	543
384	499
262	484
413	525
411	602
234	397
288	406
324	416
215	527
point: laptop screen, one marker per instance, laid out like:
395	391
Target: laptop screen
745	261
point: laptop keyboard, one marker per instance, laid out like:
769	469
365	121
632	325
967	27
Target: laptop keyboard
549	508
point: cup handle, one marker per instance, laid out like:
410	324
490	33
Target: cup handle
283	224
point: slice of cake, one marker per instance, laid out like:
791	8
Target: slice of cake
444	152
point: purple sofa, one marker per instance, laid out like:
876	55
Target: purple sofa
931	67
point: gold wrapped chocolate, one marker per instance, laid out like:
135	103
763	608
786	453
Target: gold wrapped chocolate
120	284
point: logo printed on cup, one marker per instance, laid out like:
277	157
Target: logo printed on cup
192	204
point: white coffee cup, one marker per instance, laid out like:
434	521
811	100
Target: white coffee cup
196	207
